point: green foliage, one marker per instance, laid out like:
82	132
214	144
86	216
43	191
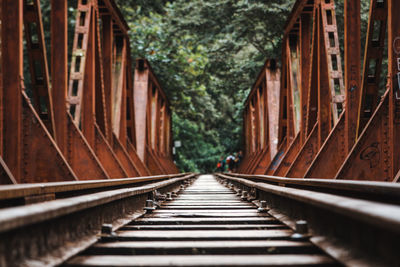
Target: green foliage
206	53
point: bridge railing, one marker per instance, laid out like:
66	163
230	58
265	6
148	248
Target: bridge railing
332	123
60	125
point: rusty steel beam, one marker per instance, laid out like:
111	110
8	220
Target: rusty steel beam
107	32
70	140
12	57
73	146
100	103
100	96
343	135
352	65
394	83
273	84
6	177
149	99
87	110
25	135
372	67
109	8
258	128
37	59
305	62
59	70
50	164
376	153
297	50
324	89
140	99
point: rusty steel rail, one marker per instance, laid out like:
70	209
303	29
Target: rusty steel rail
370	190
14	195
45	234
357	232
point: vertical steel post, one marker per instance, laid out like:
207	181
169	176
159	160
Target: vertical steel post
324	97
88	106
352	67
305	46
141	87
394	83
12	57
107	67
59	71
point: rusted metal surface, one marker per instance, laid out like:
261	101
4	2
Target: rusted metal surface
37	58
368	190
61	228
376	152
55	129
372	67
152	121
336	129
260	126
312	89
14	195
337	223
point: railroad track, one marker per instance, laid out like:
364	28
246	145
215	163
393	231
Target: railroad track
206	225
221	220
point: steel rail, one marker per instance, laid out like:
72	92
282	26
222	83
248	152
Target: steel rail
354	231
370	190
55	189
45	234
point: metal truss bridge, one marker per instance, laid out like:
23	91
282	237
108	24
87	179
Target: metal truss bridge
87	176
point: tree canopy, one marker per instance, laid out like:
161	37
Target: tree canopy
206	53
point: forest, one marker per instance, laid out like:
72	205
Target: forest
206	54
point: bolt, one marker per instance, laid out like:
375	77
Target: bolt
244	195
106	232
149	206
106	229
263	206
301	231
182	187
239	192
169	196
174	194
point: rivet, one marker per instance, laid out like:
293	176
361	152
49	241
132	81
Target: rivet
239	192
106	229
149	206
169	196
263	206
244	195
301	231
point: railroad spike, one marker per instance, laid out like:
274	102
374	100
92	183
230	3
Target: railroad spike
149	206
301	232
239	192
263	206
169	196
245	195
